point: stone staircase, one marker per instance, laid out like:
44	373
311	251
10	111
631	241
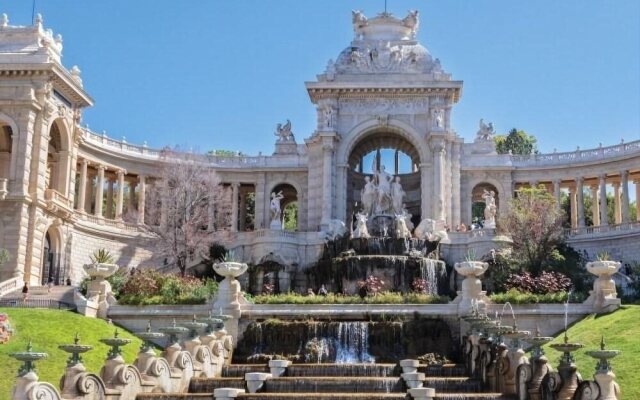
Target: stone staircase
336	381
41	297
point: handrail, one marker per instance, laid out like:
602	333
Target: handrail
577	155
36	303
10	285
586	230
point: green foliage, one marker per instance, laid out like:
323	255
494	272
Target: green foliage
632	270
150	288
620	331
471	255
518	142
5	256
291	216
534	223
102	256
224	153
49	328
515	296
603	256
332	298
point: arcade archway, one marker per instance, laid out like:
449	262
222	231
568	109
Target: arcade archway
398	156
478	201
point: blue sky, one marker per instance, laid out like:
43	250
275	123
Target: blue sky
221	74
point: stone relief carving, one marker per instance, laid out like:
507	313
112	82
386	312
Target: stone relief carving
384	106
437	119
383	56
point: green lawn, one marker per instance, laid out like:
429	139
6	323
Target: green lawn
49	328
621	332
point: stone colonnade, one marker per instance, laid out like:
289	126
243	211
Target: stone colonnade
620	181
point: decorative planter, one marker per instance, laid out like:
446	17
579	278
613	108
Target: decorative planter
471	292
604	288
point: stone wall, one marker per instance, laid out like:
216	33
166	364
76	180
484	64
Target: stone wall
128	251
623	246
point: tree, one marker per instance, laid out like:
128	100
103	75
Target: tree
518	142
291	216
179	207
535	225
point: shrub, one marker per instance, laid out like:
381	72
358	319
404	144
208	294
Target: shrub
547	282
102	256
420	285
515	296
333	298
150	288
370	286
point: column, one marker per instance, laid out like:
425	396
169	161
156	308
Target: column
604	221
327	155
573	206
164	207
556	192
109	213
396	162
438	183
82	186
624	182
141	198
99	191
89	191
595	205
234	206
617	211
243	210
132	196
637	183
455	181
120	196
580	200
260	202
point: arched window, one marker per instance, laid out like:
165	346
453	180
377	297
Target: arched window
288	205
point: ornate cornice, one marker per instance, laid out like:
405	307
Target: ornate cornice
318	91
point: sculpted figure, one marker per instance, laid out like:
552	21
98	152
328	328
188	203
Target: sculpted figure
412	22
397	196
407	217
283	132
490	209
276	211
486	131
358	19
369	195
402	231
335	229
361	231
384	203
438	118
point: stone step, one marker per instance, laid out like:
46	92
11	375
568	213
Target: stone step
323	396
471	396
238	370
454	384
343	370
445	370
326	384
208	385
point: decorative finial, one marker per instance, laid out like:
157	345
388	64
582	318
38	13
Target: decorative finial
602	343
76	338
116	333
39	20
4	20
149	326
538	330
29	346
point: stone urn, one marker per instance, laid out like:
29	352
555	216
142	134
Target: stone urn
99	289
229	289
604	288
471	292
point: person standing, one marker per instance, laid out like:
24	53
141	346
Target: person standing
25	292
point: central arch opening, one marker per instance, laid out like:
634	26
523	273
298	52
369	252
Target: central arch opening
398	157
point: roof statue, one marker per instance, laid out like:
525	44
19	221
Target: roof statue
283	132
385	44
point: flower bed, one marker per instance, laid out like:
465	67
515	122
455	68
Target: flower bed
381	298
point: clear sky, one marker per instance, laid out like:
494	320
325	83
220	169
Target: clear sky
221	74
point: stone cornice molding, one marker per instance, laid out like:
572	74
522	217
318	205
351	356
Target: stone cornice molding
60	77
322	90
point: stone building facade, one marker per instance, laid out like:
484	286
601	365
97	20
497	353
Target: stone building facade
66	191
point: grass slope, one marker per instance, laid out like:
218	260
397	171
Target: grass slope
621	332
49	328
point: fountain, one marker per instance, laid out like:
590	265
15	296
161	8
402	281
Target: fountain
27	385
604	376
76	376
115	373
174	332
154	370
529	377
180	362
115	343
564	383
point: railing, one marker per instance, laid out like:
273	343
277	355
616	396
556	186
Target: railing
578	155
3	188
231	161
10	285
587	230
37	303
96	220
53	196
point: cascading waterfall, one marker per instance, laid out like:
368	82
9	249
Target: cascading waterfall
352	343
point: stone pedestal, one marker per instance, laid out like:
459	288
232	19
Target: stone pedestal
229	292
255	380
226	393
604	296
409	366
155	372
278	367
28	387
121	377
76	377
422	393
413	380
471	294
